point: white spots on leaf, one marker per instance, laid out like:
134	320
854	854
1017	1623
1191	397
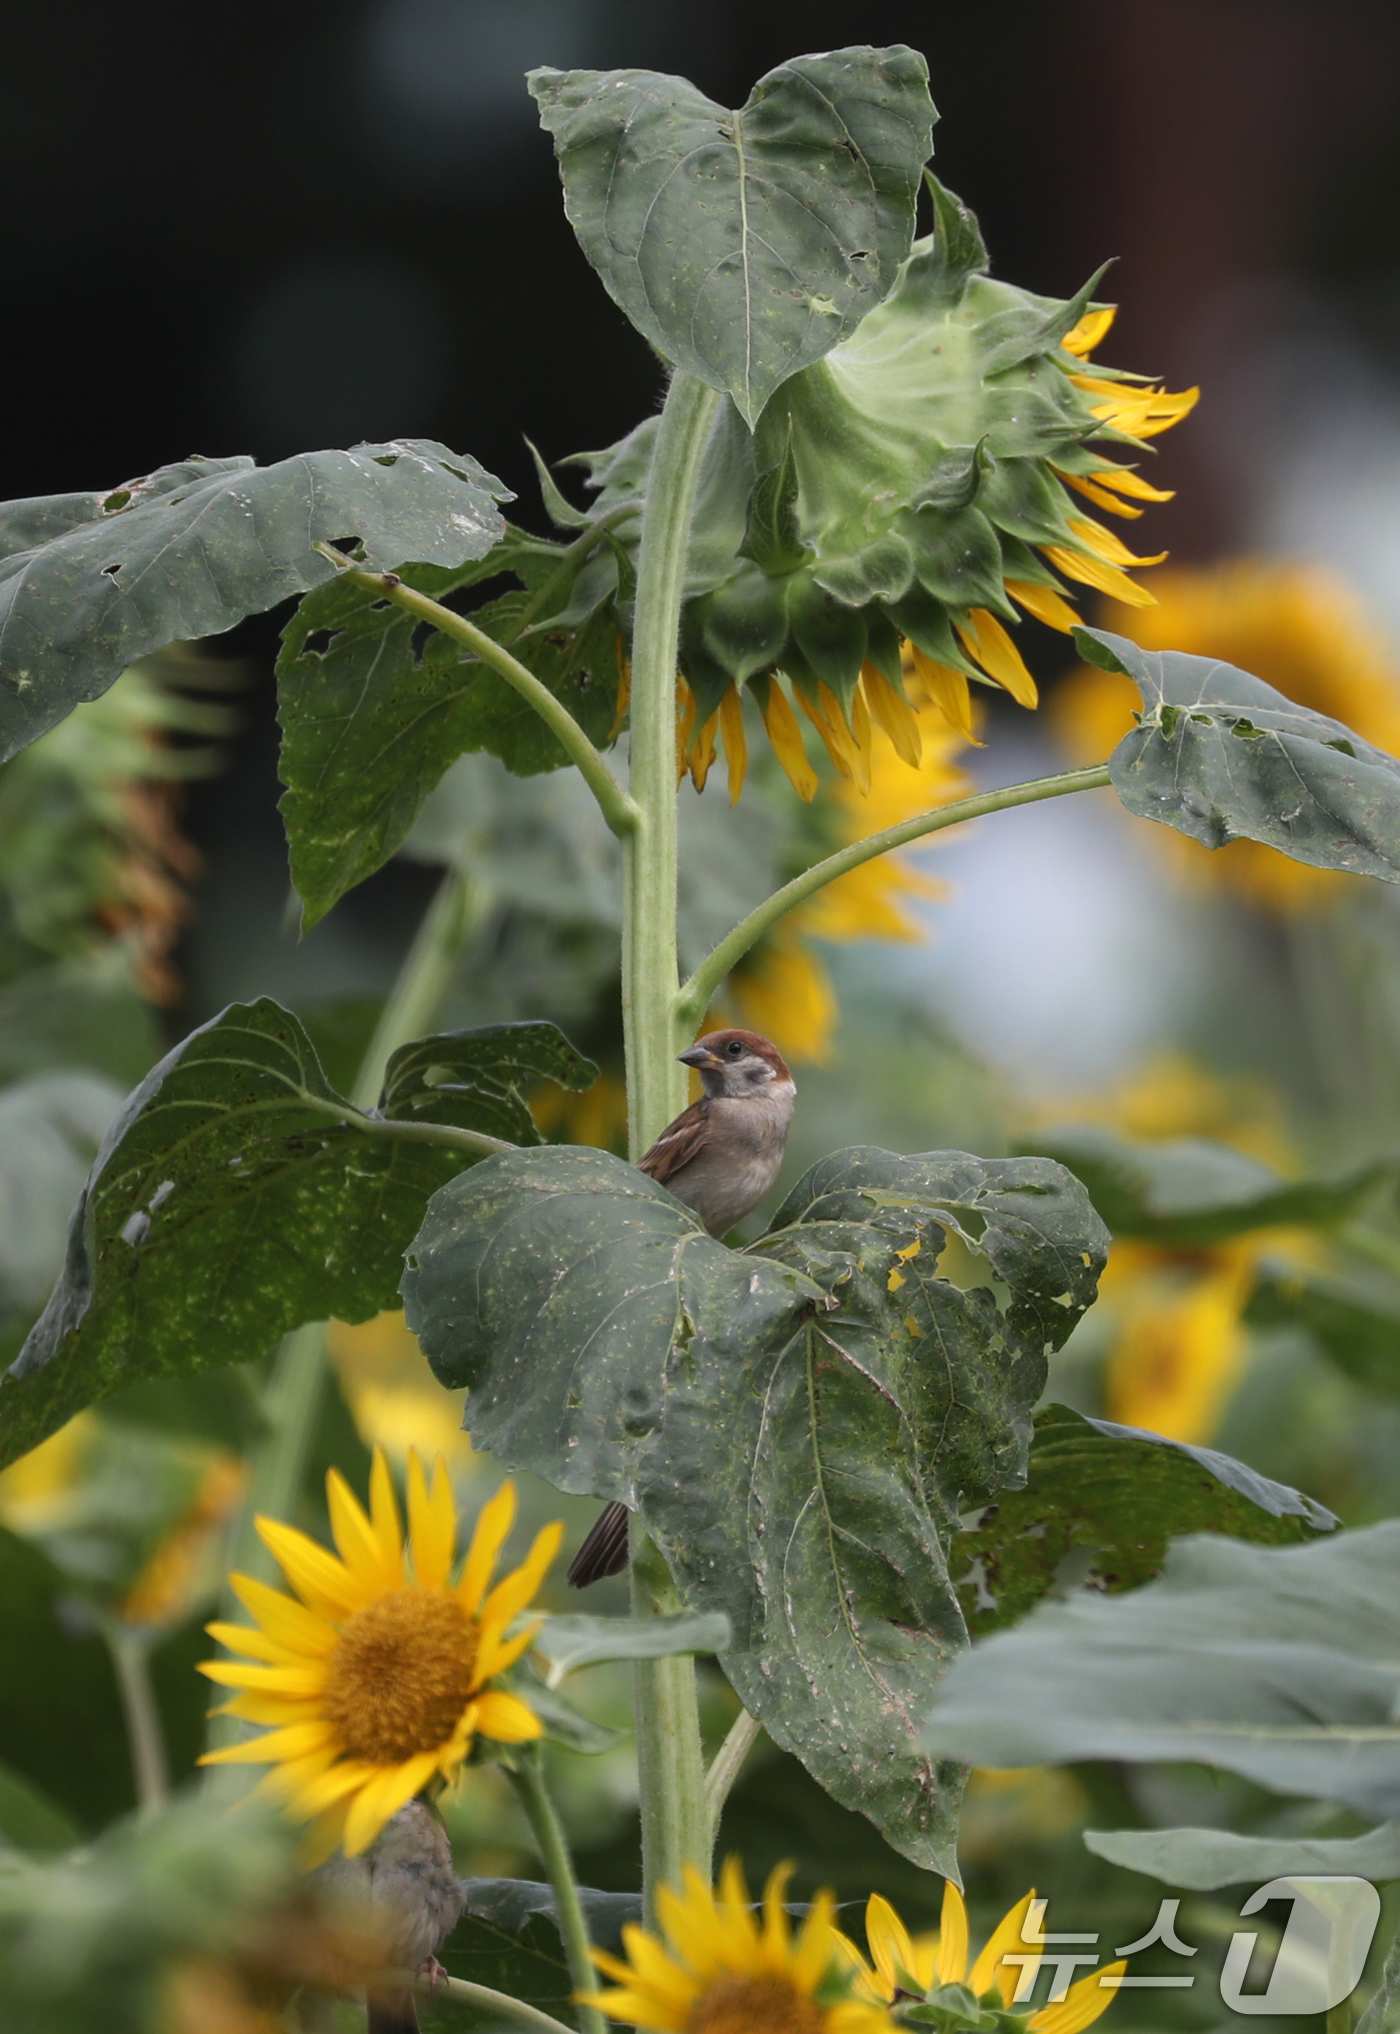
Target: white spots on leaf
136	1228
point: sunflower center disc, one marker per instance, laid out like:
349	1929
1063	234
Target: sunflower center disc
401	1675
763	2005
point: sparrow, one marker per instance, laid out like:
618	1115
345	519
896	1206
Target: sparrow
720	1157
414	1898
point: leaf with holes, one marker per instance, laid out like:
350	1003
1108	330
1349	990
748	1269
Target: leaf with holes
1221	756
232	1200
799	1423
89	583
744	245
1187	1191
376	705
1117	1494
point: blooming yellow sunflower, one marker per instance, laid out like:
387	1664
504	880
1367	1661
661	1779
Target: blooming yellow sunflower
715	1970
1296	626
901	1963
377	1680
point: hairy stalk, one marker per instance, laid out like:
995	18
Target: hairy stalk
616	807
727	1764
293	1396
675	1821
449	1135
131	1661
527	1777
694	998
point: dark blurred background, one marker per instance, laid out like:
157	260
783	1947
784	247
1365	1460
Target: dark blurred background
267	228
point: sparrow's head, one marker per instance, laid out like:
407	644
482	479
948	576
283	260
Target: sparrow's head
739	1064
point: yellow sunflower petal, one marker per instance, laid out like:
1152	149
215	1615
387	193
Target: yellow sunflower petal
988	1971
492	1529
1045	604
254	1645
786	737
736	745
1089	333
776	1932
300	1630
1124	480
895	715
951	1967
514	1591
945	688
494	1654
292	1743
1105	544
890	1944
1104	578
308	1680
1099	495
384	1516
268	1709
334	1783
323	1583
702	752
432	1522
506	1719
836	736
1081	2004
816	1942
382	1797
636	2009
984	638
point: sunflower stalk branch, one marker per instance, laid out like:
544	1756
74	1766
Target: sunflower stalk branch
617	808
693	998
481	1998
131	1662
675	1819
727	1764
527	1777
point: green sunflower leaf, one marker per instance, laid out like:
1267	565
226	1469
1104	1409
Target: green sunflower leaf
1356	1327
799	1423
232	1200
1188	1191
89	583
1117	1494
508	1939
376	705
744	244
1277	1663
1221	756
1203	1859
569	1643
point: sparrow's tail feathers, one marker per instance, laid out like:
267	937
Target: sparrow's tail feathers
604	1552
392	2013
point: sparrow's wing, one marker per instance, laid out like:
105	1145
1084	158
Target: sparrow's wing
678	1143
604	1552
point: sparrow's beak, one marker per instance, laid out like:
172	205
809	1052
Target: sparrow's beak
699	1056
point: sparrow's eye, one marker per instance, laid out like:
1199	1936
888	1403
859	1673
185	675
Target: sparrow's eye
733	1048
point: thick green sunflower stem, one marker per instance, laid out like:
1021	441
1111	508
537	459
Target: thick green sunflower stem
675	1820
292	1399
527	1777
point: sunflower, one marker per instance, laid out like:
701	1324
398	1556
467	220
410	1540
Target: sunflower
377	1680
1296	626
916	1966
715	1970
898	507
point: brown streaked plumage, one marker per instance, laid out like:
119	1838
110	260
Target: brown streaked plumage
720	1156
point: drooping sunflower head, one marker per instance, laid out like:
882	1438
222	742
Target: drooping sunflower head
718	1968
899	503
378	1675
1001	1975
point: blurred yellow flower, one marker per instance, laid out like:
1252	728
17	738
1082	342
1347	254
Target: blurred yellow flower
1296	626
716	1969
377	1676
1181	1344
395	1400
174	1577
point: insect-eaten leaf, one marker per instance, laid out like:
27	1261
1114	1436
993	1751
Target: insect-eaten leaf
236	1195
1187	1192
1221	756
1113	1496
91	582
743	245
799	1423
376	705
1277	1663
